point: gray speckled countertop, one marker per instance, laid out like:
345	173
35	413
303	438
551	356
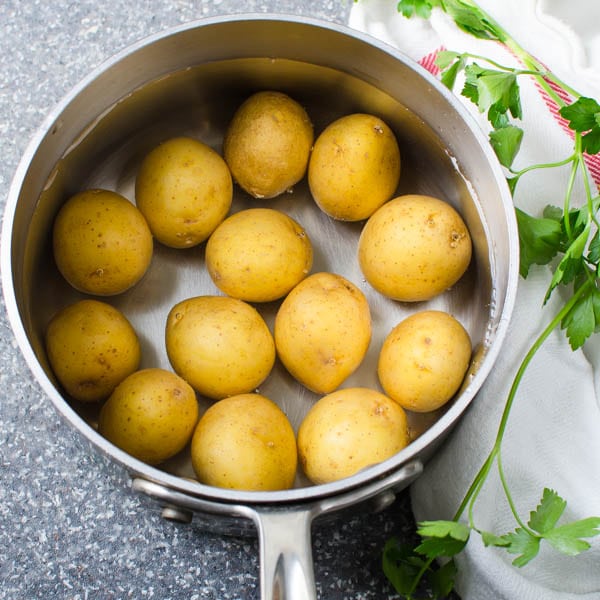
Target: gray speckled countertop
70	525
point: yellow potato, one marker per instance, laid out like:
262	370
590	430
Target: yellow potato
349	430
414	247
150	415
323	331
423	360
184	189
354	167
258	255
221	346
91	348
267	144
102	243
245	442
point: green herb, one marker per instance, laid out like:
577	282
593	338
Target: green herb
565	238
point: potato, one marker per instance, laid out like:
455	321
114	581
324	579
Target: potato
414	248
349	430
245	442
354	167
184	189
221	346
258	255
267	144
423	360
150	415
91	348
322	331
101	242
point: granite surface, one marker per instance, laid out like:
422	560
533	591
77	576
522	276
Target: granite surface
70	525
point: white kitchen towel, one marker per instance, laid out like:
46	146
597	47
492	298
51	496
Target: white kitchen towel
553	436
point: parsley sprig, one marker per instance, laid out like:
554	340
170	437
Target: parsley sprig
565	237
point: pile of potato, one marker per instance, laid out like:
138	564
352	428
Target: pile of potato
411	248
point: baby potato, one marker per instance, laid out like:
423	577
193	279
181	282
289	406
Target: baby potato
221	346
414	247
322	331
150	415
91	348
423	360
267	144
258	255
184	189
245	442
354	167
349	430
102	244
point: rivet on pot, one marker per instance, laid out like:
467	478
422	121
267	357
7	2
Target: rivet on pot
382	501
176	513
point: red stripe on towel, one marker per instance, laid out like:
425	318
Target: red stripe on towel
428	61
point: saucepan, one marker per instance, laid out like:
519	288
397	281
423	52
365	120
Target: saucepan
189	81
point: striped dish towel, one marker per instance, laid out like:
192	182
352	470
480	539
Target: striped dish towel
553	436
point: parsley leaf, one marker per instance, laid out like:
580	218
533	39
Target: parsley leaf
506	142
524	544
567	538
548	511
443	538
495	87
594	249
442	579
445	58
571	263
400	565
450	73
404	569
582	320
420	8
584	117
539	240
473	20
442	529
491	539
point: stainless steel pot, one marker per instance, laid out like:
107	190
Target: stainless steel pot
189	80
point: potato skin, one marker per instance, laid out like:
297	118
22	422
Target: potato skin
258	255
414	247
267	144
423	360
221	346
245	442
184	189
322	331
151	415
91	348
349	430
354	167
101	242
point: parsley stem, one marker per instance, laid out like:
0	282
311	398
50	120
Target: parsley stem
551	165
508	495
569	190
477	484
502	67
588	191
536	68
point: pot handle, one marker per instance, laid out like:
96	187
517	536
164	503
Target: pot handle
285	541
286	567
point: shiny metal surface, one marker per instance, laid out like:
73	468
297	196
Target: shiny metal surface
189	81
